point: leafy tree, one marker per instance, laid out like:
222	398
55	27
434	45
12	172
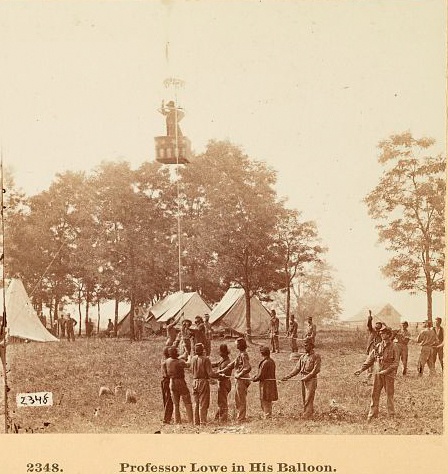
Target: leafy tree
136	231
318	293
239	210
297	243
409	205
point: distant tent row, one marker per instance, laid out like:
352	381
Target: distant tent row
229	314
385	314
22	319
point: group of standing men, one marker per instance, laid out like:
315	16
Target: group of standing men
292	332
387	347
203	371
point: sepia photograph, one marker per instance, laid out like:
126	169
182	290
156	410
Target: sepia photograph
222	218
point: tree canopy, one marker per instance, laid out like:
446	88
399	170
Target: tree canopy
409	206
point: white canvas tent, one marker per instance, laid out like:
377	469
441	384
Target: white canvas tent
22	320
230	313
190	304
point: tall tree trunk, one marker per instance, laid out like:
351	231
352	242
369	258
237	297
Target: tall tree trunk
429	301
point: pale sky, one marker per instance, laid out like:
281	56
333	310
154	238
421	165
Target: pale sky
309	87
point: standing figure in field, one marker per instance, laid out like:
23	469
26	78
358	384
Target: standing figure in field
110	328
224	384
310	330
308	366
184	337
198	331
373	339
61	326
171	331
173	116
166	392
293	333
70	324
403	337
242	369
438	348
386	355
273	332
427	339
201	369
175	369
208	334
267	381
139	321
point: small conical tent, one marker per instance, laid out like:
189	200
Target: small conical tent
230	313
22	320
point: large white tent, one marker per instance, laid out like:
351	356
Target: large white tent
22	319
188	304
230	313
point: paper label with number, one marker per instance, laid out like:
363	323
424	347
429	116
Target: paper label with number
35	399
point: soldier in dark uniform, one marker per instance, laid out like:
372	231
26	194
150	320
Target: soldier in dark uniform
387	356
175	369
403	337
242	369
292	333
374	337
274	327
166	392
70	324
224	384
201	369
266	379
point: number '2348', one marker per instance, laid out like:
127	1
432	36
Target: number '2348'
40	467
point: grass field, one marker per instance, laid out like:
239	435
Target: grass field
74	372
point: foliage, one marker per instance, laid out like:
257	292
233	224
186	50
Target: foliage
409	205
297	244
318	293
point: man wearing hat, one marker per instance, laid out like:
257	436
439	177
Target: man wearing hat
224	384
374	337
387	357
403	337
274	327
310	330
268	383
427	339
198	331
242	369
175	370
201	369
308	366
